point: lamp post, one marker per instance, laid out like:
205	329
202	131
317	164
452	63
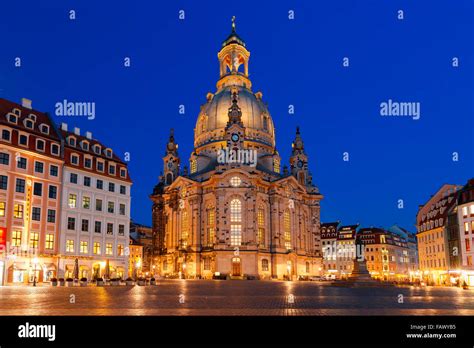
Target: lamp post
35	262
137	267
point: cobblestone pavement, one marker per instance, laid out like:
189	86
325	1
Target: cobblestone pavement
200	297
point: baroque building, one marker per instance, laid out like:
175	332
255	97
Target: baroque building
234	213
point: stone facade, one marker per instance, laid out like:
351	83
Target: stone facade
234	214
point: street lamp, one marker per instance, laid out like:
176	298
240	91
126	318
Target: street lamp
35	262
137	267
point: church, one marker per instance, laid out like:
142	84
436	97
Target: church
235	213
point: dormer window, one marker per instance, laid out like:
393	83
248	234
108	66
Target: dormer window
97	149
111	169
44	129
12	118
32	117
29	123
108	153
72	141
40	144
16	112
75	159
85	145
123	173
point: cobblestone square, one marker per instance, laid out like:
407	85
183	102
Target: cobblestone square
199	297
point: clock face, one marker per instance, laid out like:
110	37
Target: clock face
300	164
235	137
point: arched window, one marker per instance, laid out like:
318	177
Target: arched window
261	225
276	165
211	223
304	235
184	228
169	178
235	222
265	265
287	228
265	123
235	181
193	166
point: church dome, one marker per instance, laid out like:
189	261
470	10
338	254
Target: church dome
212	120
234	78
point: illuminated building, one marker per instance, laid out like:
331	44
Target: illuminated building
234	213
388	254
95	216
346	249
135	258
328	244
30	189
465	213
433	247
143	235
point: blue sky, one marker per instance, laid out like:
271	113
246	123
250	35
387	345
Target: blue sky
296	62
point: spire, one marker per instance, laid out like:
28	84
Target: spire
235	114
172	147
298	145
233	37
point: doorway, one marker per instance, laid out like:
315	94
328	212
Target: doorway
236	267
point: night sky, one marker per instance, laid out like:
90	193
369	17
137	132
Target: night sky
297	62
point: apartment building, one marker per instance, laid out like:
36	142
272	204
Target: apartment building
30	194
95	219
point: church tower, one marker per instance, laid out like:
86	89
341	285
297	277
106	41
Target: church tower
233	61
299	160
171	160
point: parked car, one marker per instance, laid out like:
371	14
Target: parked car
316	278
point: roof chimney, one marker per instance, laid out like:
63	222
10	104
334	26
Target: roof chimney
89	135
77	131
26	103
64	126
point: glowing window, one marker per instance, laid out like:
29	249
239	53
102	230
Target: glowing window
16	238
193	166
211	232
34	237
276	165
49	243
235	181
97	248
70	246
287	228
235	211
235	235
184	228
261	225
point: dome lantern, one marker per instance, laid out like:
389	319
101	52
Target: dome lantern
233	58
